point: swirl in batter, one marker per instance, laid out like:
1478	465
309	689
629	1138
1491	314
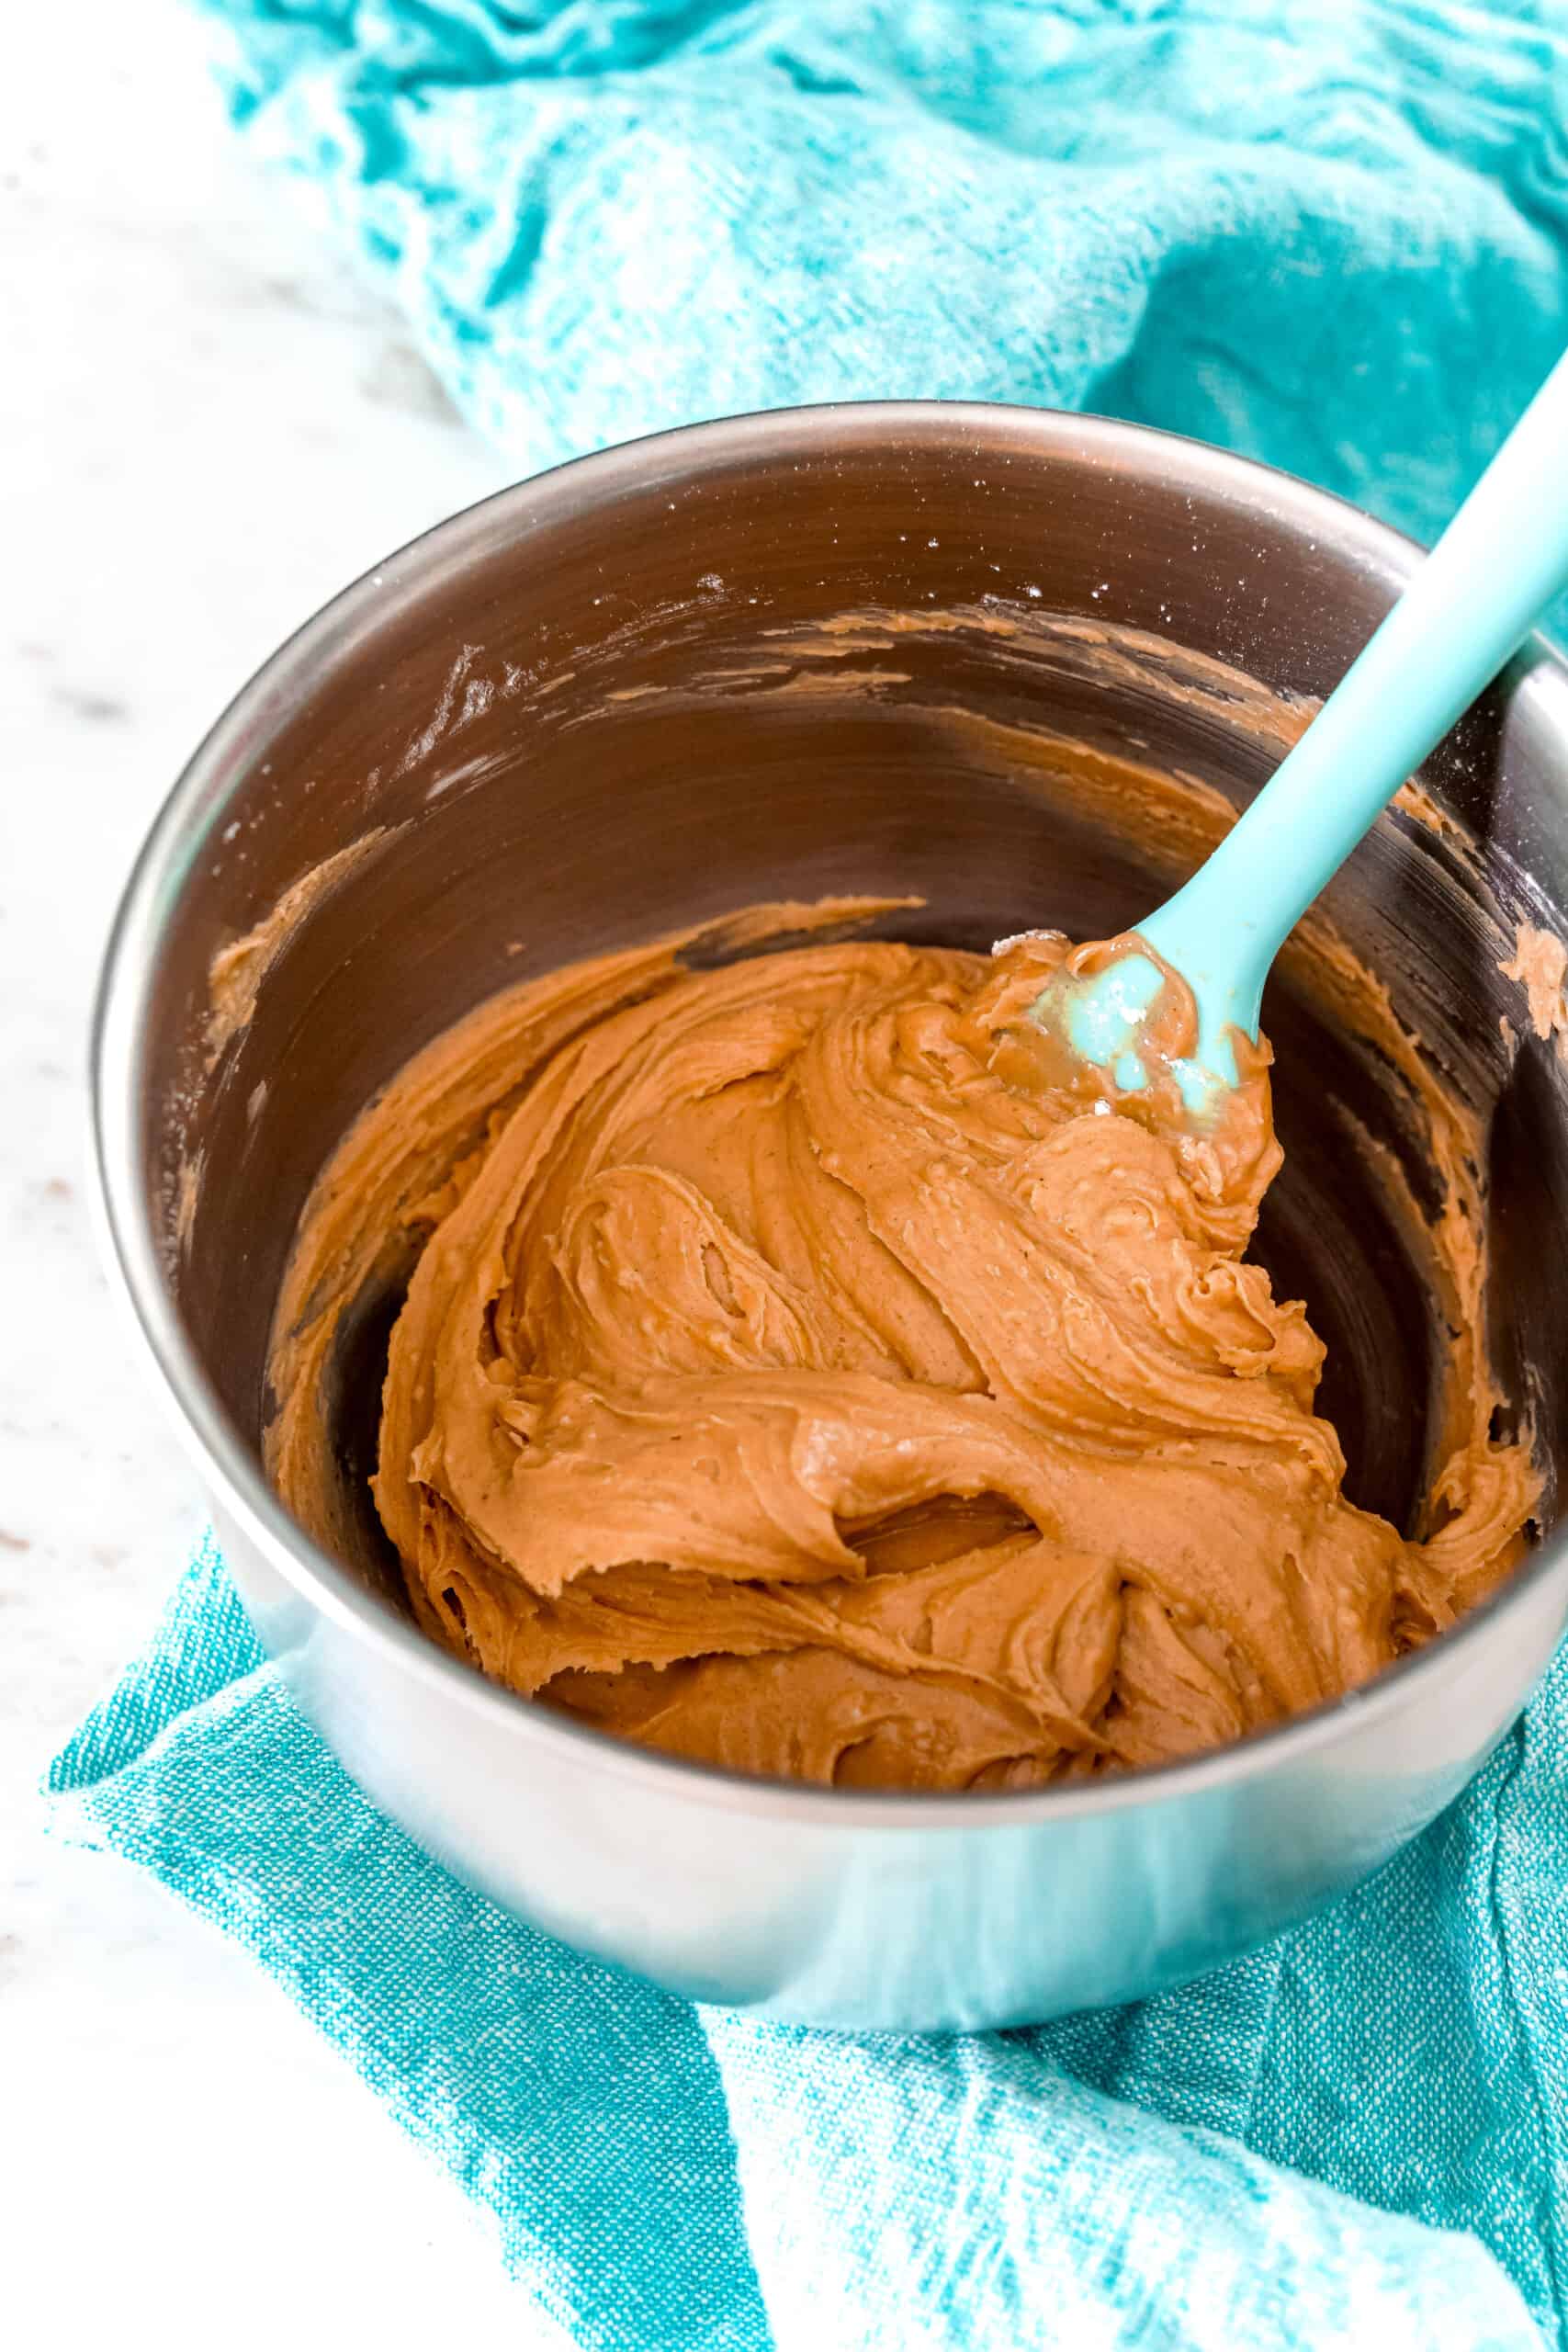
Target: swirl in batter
789	1378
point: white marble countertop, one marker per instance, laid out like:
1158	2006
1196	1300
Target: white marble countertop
207	425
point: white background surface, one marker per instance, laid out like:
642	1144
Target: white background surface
207	426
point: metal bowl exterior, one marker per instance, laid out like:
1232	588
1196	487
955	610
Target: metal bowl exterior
856	1911
901	1915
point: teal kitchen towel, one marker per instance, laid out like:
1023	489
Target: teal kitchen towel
1333	233
1356	2137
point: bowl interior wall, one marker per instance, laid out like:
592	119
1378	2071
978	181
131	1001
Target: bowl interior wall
578	720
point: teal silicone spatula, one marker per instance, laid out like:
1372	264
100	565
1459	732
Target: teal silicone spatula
1502	559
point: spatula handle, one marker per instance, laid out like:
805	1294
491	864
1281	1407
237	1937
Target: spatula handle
1501	560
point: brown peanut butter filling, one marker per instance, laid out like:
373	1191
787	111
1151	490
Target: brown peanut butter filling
791	1378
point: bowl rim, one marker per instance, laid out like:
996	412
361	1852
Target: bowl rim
129	1247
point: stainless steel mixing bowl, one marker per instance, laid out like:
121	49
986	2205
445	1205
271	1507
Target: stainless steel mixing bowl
625	697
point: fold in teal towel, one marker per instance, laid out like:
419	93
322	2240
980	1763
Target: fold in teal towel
1329	232
1333	233
1313	2147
